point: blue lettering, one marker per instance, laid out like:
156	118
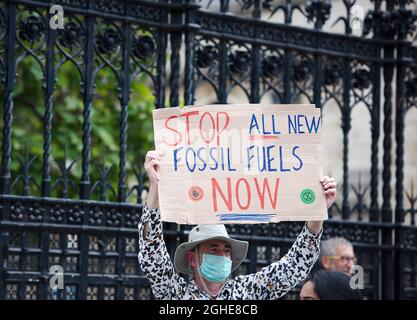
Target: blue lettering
299	123
250	155
270	159
191	169
313	124
176	158
228	161
292	125
253	124
273	126
263	125
282	169
203	161
263	160
222	158
213	158
299	159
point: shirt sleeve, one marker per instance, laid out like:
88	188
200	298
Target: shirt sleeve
275	280
154	258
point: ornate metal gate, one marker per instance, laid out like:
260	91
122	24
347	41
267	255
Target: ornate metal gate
55	218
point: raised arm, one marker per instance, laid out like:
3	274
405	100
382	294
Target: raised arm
273	281
276	279
153	256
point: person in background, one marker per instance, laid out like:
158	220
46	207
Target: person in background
210	255
336	254
329	285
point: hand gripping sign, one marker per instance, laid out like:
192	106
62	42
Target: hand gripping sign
240	163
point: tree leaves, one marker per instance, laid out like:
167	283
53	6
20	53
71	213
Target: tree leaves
67	121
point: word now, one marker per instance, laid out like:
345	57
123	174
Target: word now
231	195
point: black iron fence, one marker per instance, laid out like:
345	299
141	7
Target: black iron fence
58	218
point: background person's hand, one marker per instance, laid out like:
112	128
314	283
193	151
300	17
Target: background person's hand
329	186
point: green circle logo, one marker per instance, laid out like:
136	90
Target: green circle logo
307	196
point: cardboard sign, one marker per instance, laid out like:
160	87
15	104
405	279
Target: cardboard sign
240	163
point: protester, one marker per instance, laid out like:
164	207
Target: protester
337	254
210	255
329	285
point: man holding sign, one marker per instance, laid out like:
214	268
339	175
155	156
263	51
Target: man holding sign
251	164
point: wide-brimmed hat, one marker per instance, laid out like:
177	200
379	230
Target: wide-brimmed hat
202	233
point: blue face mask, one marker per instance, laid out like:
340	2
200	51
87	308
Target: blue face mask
215	268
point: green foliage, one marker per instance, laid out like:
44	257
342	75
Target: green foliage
67	122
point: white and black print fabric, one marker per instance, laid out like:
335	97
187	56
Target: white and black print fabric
270	282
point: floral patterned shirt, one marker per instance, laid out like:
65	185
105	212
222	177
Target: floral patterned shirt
270	282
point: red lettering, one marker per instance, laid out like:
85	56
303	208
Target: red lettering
248	192
212	127
174	130
187	123
261	195
218	124
215	186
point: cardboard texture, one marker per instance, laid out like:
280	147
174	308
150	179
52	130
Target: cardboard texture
247	163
